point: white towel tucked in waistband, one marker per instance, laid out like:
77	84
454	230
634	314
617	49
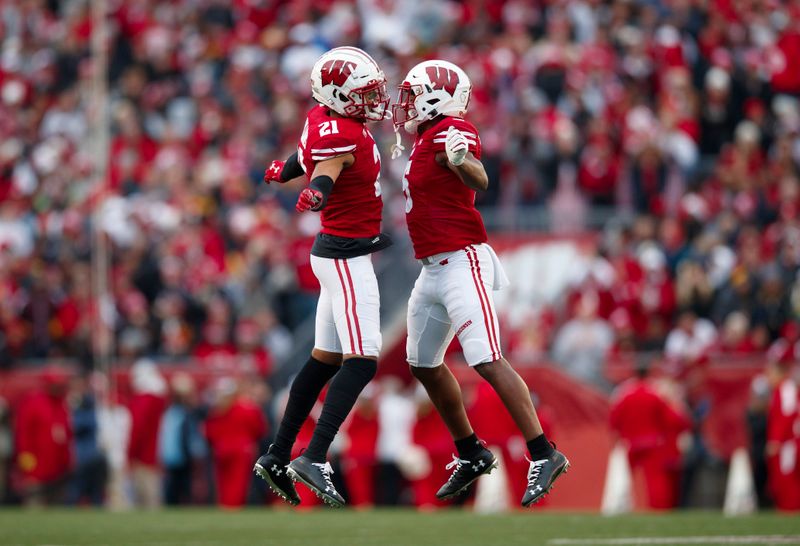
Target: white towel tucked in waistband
500	277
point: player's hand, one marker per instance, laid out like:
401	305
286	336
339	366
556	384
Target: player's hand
273	172
456	146
310	199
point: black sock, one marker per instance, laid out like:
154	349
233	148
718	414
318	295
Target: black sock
303	394
341	397
468	446
540	448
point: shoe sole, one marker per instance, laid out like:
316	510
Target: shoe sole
327	499
494	464
262	473
563	470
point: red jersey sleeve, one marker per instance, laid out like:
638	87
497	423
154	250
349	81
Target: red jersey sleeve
330	146
325	138
467	129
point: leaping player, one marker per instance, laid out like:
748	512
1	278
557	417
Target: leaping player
340	158
453	294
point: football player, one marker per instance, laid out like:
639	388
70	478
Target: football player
339	156
453	294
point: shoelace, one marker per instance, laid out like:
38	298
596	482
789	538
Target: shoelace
534	469
456	462
326	470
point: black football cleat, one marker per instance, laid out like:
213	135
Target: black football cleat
274	471
466	472
317	477
541	476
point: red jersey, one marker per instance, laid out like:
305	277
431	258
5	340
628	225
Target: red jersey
440	209
354	206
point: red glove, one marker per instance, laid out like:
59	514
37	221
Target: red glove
310	199
273	172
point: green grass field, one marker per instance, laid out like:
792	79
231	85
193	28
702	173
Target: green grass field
385	528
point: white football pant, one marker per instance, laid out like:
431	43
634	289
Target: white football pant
348	310
453	297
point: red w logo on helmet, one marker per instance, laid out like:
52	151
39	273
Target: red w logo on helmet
443	78
336	72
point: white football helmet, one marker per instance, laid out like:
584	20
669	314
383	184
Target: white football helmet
349	82
430	89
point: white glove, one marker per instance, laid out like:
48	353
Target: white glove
456	146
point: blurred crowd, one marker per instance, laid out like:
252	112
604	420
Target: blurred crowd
657	422
675	123
682	117
160	436
180	439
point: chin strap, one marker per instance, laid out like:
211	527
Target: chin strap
397	147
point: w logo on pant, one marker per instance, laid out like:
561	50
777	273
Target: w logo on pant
336	72
443	78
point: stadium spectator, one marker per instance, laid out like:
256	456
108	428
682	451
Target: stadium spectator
43	441
772	308
6	450
624	334
691	339
582	344
782	436
252	357
180	442
735	337
648	424
760	395
88	482
234	427
147	405
693	288
359	462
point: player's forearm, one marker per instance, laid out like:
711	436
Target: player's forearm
332	167
291	169
472	174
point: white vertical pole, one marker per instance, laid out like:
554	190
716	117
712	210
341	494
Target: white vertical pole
102	334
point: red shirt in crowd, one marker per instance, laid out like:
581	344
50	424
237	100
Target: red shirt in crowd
146	411
235	430
783	439
43	438
645	421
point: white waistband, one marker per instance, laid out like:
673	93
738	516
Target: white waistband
436	258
